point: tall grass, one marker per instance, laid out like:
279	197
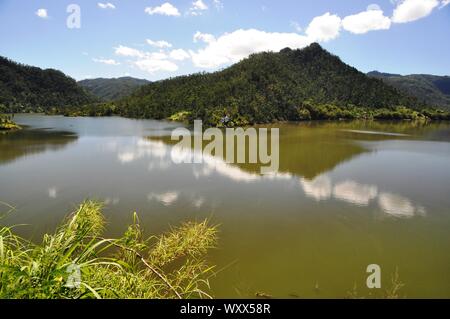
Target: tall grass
77	262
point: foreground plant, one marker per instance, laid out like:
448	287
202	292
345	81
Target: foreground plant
76	262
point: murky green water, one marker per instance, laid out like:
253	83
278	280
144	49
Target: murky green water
348	195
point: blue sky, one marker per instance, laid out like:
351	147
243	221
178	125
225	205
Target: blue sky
158	39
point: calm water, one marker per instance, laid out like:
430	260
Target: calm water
348	195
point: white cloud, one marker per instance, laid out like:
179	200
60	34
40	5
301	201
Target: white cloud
197	8
219	4
154	64
296	26
363	22
411	10
444	3
159	44
205	37
166	9
150	62
179	55
199	5
107	5
42	13
129	52
106	61
233	47
324	28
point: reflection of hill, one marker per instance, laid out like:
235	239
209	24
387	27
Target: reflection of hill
27	142
312	149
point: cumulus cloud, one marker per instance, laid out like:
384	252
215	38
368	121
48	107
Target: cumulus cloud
179	55
42	13
106	61
166	9
128	52
232	47
324	28
107	5
150	62
204	37
197	8
411	10
444	3
159	44
153	63
370	20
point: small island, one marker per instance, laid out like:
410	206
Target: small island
7	124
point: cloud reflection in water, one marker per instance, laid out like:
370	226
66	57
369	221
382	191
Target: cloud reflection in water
321	188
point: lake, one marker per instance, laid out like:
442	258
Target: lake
348	194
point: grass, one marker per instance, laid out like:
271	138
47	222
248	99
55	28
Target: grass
77	262
392	292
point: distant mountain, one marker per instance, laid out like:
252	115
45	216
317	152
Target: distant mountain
430	89
27	88
112	89
290	85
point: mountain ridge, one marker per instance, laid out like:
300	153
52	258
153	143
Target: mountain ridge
309	83
109	89
25	88
427	88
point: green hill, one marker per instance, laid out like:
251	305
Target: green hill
112	89
290	85
429	89
26	88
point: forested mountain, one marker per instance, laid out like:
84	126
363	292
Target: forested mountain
266	87
26	88
112	89
430	89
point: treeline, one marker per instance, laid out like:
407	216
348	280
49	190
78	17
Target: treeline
30	89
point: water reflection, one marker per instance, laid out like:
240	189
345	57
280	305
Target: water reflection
162	156
28	142
355	193
321	188
166	199
399	206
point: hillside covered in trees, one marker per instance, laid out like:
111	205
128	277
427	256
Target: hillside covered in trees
112	89
290	85
429	89
25	88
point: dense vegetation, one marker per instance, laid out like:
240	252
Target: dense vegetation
429	89
30	89
290	85
112	89
76	262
